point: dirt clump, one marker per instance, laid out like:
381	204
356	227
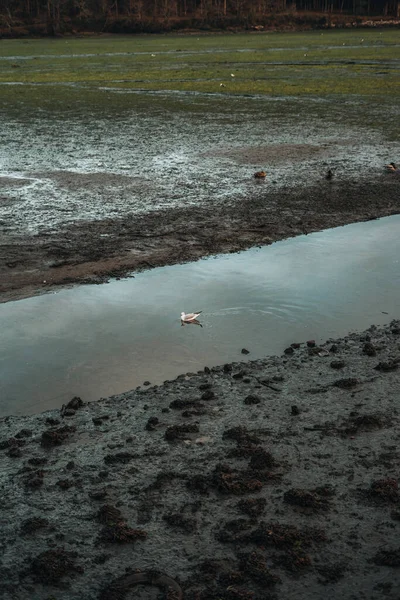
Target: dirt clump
121	533
338	364
99	420
369	349
52	422
332	573
388	558
109	515
163	479
395	514
196	412
252	399
56	437
254	566
33	524
12	442
38	461
34	479
347	383
253	507
180	403
24	433
97	494
14	452
115	528
368	422
232	481
69	409
385	489
262	459
241	435
152	423
236	530
208	395
119	457
187	524
294	561
51	566
179	432
316	499
386	367
65	484
286	536
205	386
200	484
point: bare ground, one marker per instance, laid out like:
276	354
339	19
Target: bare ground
95	251
277	478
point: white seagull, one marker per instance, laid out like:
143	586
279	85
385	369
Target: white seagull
190	317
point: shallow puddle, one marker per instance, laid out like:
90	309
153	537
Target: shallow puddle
94	341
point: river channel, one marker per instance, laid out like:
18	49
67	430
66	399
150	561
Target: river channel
96	341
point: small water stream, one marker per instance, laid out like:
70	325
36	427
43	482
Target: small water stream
95	341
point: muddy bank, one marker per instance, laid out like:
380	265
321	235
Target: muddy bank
271	479
95	251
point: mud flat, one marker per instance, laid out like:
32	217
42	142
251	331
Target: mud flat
276	478
95	251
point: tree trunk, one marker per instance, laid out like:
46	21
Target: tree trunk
53	17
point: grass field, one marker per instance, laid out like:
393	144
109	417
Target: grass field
361	63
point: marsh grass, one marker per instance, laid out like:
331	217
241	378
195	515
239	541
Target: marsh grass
352	76
349	62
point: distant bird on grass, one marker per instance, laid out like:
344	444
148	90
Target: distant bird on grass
260	175
190	318
391	167
329	174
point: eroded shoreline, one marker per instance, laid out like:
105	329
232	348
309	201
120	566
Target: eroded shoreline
277	477
96	251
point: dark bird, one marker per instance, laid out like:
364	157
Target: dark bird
329	174
260	175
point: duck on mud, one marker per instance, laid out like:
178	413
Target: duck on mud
260	175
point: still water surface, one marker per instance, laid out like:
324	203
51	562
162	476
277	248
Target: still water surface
94	341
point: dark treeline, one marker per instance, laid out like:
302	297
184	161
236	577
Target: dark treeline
59	16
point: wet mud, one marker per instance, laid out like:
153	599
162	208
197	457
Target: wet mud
95	251
191	491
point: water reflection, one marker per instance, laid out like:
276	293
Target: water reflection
193	322
95	341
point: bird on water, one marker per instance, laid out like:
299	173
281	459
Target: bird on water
189	317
